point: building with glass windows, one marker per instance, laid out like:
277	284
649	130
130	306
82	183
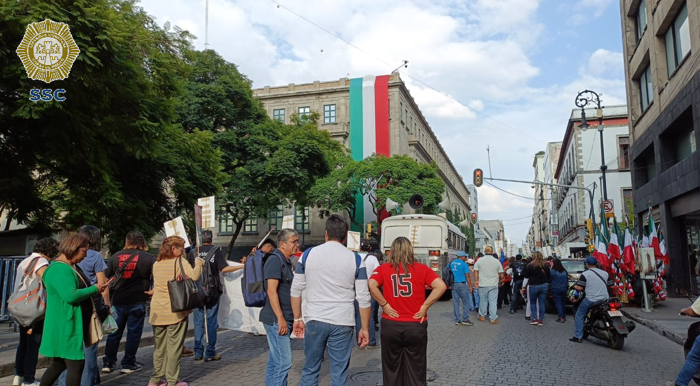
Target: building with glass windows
373	114
661	41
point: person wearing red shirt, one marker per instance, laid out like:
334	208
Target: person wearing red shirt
404	325
504	290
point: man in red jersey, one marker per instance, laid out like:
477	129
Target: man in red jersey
404	327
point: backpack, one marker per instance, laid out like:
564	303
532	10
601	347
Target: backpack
253	281
27	304
209	279
447	276
518	270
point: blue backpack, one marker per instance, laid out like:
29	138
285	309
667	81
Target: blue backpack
253	282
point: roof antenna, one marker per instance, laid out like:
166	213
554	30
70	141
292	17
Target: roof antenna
404	65
488	151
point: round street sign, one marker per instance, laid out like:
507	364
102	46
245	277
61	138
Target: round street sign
608	206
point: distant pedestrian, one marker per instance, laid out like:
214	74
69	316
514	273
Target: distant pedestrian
69	309
94	267
489	275
169	328
475	292
214	256
461	289
538	276
45	250
560	285
371	263
333	282
129	295
518	267
404	326
504	290
277	315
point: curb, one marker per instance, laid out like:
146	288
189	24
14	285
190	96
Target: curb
7	369
656	327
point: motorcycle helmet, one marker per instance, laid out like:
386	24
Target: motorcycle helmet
575	295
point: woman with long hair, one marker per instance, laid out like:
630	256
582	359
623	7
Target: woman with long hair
560	285
538	276
404	325
69	309
169	327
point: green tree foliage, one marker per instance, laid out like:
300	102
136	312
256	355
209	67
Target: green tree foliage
112	153
397	177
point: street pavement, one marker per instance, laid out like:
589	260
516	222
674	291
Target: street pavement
508	353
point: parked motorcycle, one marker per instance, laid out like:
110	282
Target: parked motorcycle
604	321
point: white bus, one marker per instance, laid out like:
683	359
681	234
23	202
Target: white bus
435	240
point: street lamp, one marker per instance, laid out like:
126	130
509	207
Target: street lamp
582	101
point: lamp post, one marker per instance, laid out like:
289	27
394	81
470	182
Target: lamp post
582	100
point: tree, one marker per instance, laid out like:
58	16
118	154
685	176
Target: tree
111	154
397	177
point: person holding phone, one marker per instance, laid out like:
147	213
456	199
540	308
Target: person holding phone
692	360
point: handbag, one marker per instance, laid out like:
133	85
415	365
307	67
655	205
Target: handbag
95	332
185	294
27	304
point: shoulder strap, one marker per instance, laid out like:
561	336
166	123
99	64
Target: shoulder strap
212	251
304	256
123	265
358	262
31	266
600	277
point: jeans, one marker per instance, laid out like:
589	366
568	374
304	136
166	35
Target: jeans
91	372
372	322
279	360
475	299
28	352
691	365
212	328
490	296
538	295
581	317
461	294
317	336
559	296
131	318
517	295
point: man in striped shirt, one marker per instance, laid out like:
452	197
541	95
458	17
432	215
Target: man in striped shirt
333	280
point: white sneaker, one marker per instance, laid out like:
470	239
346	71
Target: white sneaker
35	383
17	380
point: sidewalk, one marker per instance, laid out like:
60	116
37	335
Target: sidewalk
664	319
9	340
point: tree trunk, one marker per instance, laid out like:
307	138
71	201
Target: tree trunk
236	232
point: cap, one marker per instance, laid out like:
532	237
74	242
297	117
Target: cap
462	254
590	260
470	261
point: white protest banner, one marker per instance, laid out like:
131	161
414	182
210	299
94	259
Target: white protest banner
175	227
354	241
208	205
288	222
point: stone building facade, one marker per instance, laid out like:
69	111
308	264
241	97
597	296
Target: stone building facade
661	42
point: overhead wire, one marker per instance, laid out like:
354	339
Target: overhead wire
281	6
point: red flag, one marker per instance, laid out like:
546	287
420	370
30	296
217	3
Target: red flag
628	252
601	250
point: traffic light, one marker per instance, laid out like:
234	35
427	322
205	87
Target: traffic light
478	177
369	229
591	248
473	218
589	226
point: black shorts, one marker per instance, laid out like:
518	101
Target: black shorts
404	353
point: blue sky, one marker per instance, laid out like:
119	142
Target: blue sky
512	68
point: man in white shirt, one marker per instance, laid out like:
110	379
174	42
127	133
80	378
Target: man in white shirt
371	263
489	275
333	279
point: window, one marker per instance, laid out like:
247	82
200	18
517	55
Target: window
225	222
401	111
646	88
276	217
627	196
678	140
410	125
623	145
250	225
278	115
645	167
329	114
677	40
304	111
301	219
641	19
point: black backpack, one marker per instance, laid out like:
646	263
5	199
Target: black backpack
447	276
518	270
210	280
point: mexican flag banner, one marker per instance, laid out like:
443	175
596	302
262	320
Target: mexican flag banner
628	252
614	249
662	248
601	249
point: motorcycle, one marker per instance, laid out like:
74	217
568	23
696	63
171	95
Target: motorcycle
604	321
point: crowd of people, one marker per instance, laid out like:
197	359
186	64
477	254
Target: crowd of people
342	292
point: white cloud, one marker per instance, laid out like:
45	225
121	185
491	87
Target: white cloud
604	63
585	10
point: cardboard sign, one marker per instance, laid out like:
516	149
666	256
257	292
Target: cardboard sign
175	227
354	241
208	205
288	222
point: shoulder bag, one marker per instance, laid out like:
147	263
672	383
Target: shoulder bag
185	294
95	332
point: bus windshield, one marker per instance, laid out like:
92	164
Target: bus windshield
422	236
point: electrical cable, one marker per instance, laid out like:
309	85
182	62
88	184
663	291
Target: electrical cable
407	75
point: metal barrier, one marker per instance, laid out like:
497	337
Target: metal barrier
8	271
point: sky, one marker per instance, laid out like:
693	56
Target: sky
501	74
